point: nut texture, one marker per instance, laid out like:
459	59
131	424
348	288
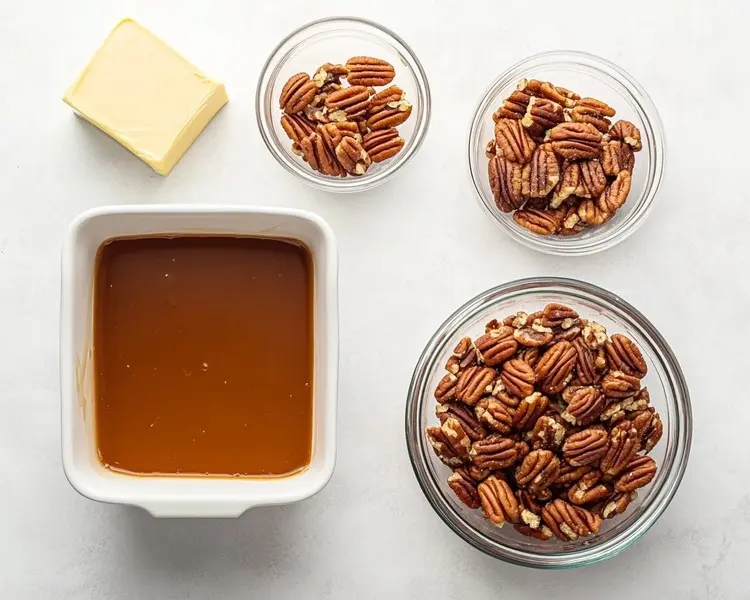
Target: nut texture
616	193
514	141
496	346
514	106
538	470
505	183
621	447
464	415
348	103
317	155
529	410
568	522
382	144
585	406
586	447
518	377
494	452
498	502
617	384
555	365
541	222
352	156
540	175
297	127
617	156
473	383
465	489
575	141
593	111
638	473
297	93
623	355
367	71
628	133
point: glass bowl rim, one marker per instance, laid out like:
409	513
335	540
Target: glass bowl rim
652	124
679	401
349	184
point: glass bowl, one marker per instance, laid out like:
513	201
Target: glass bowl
337	39
591	76
669	395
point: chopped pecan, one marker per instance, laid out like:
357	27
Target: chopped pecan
529	410
538	470
594	335
542	114
498	502
621	448
368	71
588	490
638	473
541	222
534	336
464	355
496	346
316	154
518	377
593	111
569	522
348	103
548	433
383	144
616	193
623	355
442	447
617	384
464	415
586	447
496	415
465	489
514	141
617	156
570	474
555	366
474	383
352	156
297	93
627	132
446	388
514	106
585	366
540	176
494	452
575	141
585	406
506	179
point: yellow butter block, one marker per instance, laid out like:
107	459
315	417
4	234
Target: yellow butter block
146	96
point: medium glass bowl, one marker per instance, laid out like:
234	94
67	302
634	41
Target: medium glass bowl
337	39
669	395
595	77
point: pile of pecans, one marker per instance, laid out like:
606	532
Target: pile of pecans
340	129
545	424
558	161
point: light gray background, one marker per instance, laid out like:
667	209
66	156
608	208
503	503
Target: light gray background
411	252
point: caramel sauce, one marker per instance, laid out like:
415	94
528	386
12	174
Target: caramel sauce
203	356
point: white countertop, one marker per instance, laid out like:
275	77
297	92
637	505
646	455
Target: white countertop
411	252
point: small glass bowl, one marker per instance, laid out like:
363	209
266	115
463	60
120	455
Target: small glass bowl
669	395
595	77
337	39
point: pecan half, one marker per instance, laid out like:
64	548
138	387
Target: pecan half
548	433
535	336
514	106
529	410
623	355
585	366
555	366
494	452
569	184
297	93
544	89
588	490
576	141
616	193
569	522
615	504
570	474
496	415
530	356
639	472
297	127
543	534
538	470
498	502
474	383
621	448
540	176
586	447
368	71
590	213
542	114
317	155
652	434
506	179
514	141
464	415
593	179
518	377
464	355
333	133
628	133
446	388
593	111
348	103
558	315
328	74
496	346
617	156
585	406
465	489
594	335
529	503
473	472
456	437
617	384
442	447
383	144
352	156
541	222
390	114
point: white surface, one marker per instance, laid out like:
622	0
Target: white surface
411	252
174	496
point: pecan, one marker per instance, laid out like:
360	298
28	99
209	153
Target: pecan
594	335
623	355
538	470
297	93
498	502
473	472
616	411
576	140
442	447
627	132
496	415
530	356
456	437
367	71
315	113
465	489
554	367
585	406
570	474
328	74
548	433
493	452
652	433
569	522
617	384
528	503
593	179
518	377
333	133
568	185
616	193
534	336
544	89
474	383
496	346
590	213
317	155
542	114
529	410
514	141
587	489
348	103
585	366
514	106
558	315
352	156
509	401
464	415
615	504
543	534
593	111
617	156
383	144
639	472
464	355
297	127
621	447
585	447
523	449
540	176
506	179
446	388
540	222
389	115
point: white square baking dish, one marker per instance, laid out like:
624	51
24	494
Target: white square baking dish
190	496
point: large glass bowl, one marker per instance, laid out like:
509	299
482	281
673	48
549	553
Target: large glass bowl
669	395
591	76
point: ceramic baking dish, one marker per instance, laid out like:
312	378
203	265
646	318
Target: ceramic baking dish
190	496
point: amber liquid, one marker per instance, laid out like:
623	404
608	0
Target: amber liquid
203	356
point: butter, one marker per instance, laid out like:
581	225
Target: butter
146	96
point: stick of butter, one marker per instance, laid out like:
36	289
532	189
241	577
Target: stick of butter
146	96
